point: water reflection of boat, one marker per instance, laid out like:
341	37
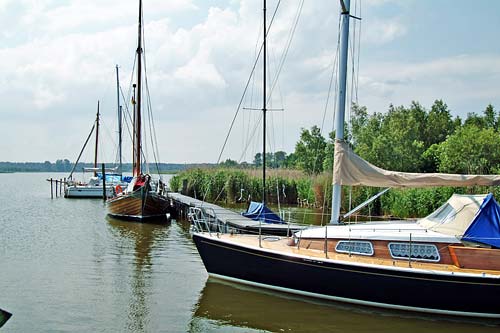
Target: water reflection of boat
136	243
143	236
230	305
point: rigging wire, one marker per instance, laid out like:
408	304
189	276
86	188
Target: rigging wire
246	86
287	48
152	131
244	93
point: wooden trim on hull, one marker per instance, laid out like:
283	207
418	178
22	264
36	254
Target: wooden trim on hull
381	248
140	218
134	207
388	287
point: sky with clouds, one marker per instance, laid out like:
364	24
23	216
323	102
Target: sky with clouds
58	58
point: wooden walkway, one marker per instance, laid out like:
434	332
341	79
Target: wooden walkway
230	218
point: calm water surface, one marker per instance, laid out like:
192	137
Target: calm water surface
65	267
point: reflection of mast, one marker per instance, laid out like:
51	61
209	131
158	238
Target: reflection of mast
139	239
137	114
96	139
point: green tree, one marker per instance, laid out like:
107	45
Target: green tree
439	124
280	158
473	119
329	152
310	151
257	160
229	163
470	150
490	117
398	144
291	161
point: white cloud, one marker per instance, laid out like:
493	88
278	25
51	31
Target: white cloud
458	80
55	18
62	60
382	31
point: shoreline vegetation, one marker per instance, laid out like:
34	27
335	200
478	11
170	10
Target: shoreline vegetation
229	186
405	138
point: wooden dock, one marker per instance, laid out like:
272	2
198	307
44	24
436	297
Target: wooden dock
231	219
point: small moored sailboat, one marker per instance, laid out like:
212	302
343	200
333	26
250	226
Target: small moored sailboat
94	187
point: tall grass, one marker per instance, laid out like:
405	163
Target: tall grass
293	187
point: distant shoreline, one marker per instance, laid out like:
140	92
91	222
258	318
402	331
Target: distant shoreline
65	166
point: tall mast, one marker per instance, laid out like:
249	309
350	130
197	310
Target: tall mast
96	140
264	111
137	115
119	110
339	119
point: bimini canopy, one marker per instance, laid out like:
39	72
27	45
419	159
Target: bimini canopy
485	228
257	211
455	215
351	169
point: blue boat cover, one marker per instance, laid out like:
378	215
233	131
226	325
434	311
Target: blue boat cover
485	228
257	211
115	178
127	179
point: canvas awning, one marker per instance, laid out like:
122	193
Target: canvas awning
351	169
455	215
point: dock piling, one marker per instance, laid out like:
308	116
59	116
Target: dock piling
103	183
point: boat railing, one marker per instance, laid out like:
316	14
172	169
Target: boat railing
205	219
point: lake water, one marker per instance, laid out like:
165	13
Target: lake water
65	267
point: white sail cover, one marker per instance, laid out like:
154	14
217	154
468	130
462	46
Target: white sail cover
350	169
454	216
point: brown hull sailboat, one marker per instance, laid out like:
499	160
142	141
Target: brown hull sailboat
138	205
139	201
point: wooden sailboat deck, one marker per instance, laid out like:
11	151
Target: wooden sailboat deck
231	218
280	244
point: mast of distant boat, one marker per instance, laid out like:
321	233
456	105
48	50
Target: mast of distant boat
264	111
339	118
96	140
119	110
137	114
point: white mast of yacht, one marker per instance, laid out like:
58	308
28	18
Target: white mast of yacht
339	117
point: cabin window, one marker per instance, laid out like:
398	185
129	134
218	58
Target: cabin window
355	247
423	252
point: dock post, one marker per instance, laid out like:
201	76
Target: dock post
103	183
56	187
51	189
60	187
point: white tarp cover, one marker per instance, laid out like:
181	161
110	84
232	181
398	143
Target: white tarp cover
350	169
455	215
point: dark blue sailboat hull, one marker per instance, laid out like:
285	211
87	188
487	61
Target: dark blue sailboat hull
402	289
